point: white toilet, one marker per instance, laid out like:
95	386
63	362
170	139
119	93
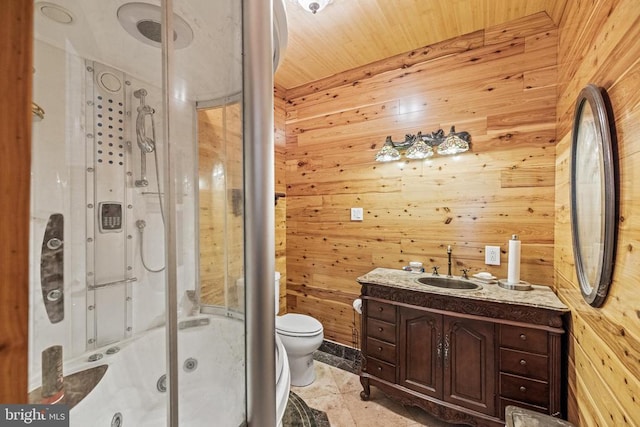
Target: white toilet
301	335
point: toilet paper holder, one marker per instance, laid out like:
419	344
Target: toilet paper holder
357	305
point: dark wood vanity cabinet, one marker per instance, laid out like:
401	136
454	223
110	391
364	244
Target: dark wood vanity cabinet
448	358
463	361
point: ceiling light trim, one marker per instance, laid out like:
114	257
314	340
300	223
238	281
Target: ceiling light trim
314	6
55	12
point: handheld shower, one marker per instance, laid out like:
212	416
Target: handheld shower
146	144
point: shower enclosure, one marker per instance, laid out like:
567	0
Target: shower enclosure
152	200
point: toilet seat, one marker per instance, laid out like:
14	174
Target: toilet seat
298	325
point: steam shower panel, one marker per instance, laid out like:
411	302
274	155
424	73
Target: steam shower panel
109	205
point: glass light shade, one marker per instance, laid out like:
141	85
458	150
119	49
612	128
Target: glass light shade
453	145
313	6
419	150
388	153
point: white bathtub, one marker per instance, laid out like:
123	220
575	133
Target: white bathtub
211	394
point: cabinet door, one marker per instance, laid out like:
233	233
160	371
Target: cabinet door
469	364
421	351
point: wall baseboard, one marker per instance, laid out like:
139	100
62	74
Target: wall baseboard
339	356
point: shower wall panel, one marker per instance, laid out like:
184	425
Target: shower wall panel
57	165
109	206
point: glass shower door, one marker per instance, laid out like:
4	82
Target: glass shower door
211	338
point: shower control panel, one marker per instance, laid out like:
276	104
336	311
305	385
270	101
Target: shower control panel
110	220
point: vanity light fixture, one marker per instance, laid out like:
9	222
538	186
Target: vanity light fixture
419	149
454	143
422	146
314	6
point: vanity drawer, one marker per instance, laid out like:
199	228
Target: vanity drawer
520	338
382	311
525	364
381	330
524	389
381	350
380	369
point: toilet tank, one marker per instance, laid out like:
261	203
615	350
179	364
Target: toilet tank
277	291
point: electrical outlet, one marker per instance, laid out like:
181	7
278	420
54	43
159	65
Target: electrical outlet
492	255
357	214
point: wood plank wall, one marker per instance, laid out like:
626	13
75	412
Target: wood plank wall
499	84
598	43
16	66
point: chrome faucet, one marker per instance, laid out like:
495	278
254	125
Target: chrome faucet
449	256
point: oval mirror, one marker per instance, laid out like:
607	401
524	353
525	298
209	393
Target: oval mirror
593	195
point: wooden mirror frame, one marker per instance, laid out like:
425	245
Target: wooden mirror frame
593	194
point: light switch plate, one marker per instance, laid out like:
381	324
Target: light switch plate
492	255
357	214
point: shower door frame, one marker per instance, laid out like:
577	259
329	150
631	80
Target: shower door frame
259	211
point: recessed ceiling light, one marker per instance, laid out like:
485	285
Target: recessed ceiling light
54	12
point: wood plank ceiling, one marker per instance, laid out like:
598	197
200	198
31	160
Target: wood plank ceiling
351	33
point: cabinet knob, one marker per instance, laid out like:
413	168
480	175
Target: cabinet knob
523	337
379	329
379	368
523	362
379	348
523	388
380	308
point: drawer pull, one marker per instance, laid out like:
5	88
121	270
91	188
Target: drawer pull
523	389
379	329
523	337
379	348
380	308
523	362
380	368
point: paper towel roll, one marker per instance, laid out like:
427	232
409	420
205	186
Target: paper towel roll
513	275
357	305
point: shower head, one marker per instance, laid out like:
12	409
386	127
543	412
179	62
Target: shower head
142	21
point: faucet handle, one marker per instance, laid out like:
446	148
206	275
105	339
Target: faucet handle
435	270
464	273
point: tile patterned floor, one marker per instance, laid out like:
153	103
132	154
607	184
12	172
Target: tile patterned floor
337	393
298	414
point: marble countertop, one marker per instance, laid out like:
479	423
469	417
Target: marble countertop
539	296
